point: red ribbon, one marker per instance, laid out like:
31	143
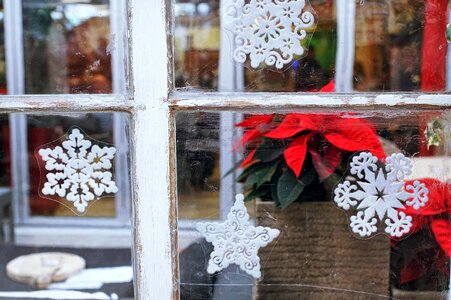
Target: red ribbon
433	66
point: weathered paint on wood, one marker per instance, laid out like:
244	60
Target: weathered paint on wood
153	184
287	101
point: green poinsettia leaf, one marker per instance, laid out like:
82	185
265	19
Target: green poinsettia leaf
269	151
308	177
255	193
233	169
249	170
289	188
273	190
262	175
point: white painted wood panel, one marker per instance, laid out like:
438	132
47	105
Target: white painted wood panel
151	168
243	101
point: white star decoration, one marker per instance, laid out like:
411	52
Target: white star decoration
78	172
268	31
379	193
236	241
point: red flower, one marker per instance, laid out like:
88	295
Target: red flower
256	126
328	88
435	216
436	213
307	132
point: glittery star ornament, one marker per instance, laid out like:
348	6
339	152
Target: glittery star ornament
236	241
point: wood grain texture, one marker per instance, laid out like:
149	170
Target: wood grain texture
152	153
190	100
317	257
418	295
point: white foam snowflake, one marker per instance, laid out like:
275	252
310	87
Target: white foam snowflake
269	31
236	241
78	172
379	193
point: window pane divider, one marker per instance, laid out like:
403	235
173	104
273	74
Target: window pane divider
153	153
66	103
240	101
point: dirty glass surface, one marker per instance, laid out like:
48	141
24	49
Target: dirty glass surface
389	237
396	45
199	47
106	130
65	168
69	46
401	46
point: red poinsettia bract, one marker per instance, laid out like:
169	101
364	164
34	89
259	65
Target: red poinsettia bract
436	217
307	132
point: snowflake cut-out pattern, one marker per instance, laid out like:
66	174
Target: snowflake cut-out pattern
268	31
380	194
236	241
78	171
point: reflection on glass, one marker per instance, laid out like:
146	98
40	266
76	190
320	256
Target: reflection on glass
43	130
67	47
401	46
198	49
37	260
196	37
388	46
199	173
291	169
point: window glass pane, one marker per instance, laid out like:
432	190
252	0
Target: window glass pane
383	46
351	204
205	60
401	46
65	196
198	177
100	129
70	47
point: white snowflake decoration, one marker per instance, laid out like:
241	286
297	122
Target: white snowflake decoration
78	171
269	31
236	241
379	193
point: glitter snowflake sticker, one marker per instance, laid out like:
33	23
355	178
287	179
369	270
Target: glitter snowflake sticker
79	171
268	31
236	241
378	194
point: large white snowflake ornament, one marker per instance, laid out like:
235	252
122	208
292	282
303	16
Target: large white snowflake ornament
236	241
380	194
78	171
268	31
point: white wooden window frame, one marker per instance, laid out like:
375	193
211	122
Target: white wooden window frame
152	107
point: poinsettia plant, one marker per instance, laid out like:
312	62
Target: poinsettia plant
422	260
295	156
